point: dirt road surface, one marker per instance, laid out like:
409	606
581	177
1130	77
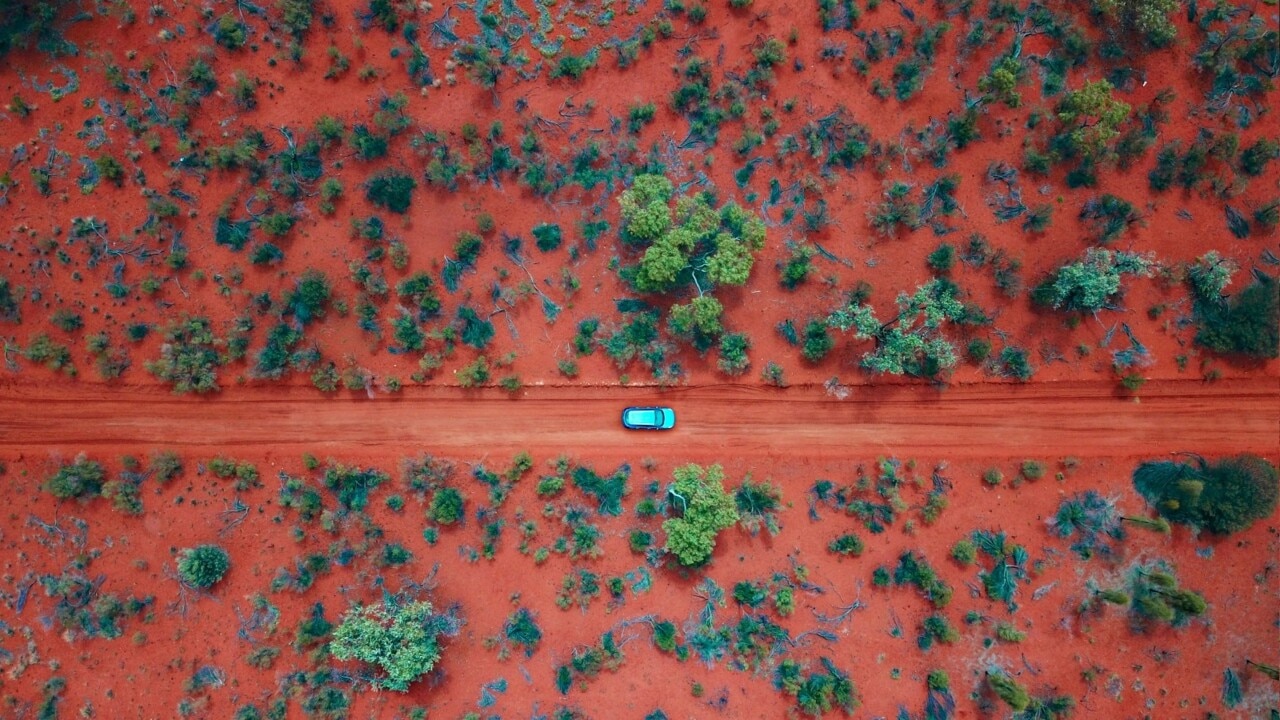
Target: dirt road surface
988	420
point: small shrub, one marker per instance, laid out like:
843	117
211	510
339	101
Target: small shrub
391	190
849	545
446	506
81	479
964	551
817	340
203	566
547	236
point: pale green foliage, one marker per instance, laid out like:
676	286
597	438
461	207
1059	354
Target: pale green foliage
691	243
645	211
732	262
401	639
707	509
1092	117
1211	274
912	344
698	320
1002	83
1089	283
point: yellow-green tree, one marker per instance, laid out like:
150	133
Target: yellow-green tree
705	509
688	243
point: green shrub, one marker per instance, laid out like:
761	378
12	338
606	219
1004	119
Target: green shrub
367	145
817	340
798	267
1247	324
81	479
229	32
475	373
705	509
849	545
1015	363
309	298
547	236
398	636
522	629
913	569
446	506
203	566
165	465
942	259
964	551
391	190
1156	597
936	628
1008	690
1222	497
189	358
733	354
572	66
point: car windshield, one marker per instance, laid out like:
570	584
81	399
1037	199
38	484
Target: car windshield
647	416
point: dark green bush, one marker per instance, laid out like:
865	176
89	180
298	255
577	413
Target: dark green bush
547	236
391	190
446	506
203	566
817	340
733	353
1222	497
80	479
847	544
1247	324
521	629
473	329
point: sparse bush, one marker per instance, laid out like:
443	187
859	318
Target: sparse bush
849	545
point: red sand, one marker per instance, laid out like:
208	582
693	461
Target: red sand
1072	417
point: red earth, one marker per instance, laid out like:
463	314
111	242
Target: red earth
106	289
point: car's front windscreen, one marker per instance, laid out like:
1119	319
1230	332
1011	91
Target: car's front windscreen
648	418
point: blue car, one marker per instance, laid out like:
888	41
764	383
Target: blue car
648	418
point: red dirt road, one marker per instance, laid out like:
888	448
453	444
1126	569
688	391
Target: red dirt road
1081	419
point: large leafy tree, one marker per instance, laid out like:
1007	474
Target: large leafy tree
1091	118
689	242
398	635
1150	19
705	509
